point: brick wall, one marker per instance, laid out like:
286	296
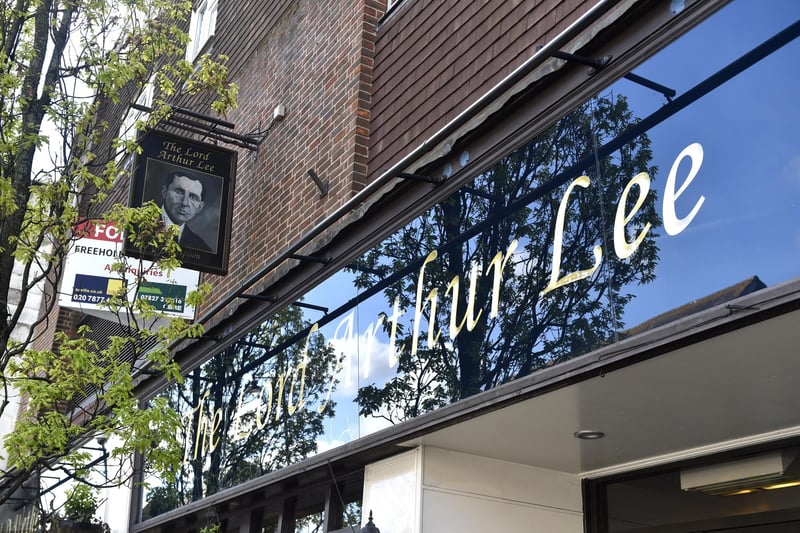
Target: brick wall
316	60
434	59
314	57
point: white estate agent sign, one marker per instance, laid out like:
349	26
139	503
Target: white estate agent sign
89	280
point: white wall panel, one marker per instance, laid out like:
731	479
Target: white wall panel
392	492
459	472
434	490
461	513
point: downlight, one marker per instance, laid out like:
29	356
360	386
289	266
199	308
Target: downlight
588	434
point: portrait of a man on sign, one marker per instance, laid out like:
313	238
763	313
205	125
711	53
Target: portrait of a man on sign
192	183
190	201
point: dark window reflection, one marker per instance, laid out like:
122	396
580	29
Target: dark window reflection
243	420
666	502
484	336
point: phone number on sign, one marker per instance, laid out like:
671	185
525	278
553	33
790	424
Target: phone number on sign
89	298
169	304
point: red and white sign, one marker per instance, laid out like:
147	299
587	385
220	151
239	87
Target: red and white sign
96	269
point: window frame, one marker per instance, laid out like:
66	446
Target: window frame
127	129
202	28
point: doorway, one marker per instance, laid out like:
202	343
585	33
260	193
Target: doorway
754	493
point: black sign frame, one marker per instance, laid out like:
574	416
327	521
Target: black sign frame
173	172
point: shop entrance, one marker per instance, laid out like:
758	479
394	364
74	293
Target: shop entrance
756	493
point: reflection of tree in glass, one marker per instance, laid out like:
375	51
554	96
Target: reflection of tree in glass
531	330
254	436
314	523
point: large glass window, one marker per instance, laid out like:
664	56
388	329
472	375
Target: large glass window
759	491
632	211
128	130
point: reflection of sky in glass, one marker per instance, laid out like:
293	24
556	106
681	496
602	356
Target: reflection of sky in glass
750	174
750	178
359	339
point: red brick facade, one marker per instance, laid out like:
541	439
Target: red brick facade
431	63
315	59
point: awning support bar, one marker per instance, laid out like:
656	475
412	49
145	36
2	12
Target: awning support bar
601	63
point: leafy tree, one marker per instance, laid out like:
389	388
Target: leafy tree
82	503
160	500
68	69
270	402
511	209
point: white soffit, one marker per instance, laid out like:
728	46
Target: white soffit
733	386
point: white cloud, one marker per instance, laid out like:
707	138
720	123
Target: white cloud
367	356
792	170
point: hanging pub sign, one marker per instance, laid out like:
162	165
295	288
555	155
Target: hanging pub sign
192	183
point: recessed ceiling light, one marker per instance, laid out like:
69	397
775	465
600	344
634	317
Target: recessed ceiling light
588	434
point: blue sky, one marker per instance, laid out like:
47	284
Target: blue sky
750	177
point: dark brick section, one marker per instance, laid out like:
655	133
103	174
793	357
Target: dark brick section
314	57
59	319
434	59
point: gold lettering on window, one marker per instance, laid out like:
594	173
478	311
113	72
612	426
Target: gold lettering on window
622	247
673	225
558	244
432	297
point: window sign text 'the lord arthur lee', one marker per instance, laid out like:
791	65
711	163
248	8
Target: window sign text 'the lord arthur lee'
273	400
